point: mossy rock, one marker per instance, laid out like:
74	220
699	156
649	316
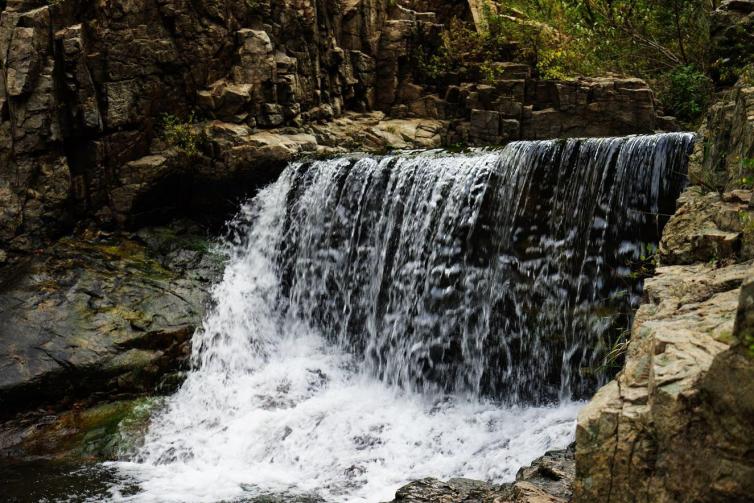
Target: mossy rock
106	431
104	314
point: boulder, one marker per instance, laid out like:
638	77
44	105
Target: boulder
100	315
709	227
104	431
546	480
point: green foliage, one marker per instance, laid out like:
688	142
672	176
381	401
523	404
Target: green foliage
644	267
747	222
470	53
460	49
614	357
254	6
747	171
185	136
663	42
749	343
686	91
556	63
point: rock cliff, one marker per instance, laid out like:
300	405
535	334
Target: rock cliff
97	315
129	111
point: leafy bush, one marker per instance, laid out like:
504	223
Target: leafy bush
685	91
505	37
561	38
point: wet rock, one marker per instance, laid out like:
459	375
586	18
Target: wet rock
105	431
553	473
547	480
454	490
99	316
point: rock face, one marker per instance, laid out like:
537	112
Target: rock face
709	227
125	112
732	38
546	480
100	316
675	425
728	134
723	154
516	107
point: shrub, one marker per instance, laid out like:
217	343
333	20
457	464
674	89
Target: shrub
183	135
686	91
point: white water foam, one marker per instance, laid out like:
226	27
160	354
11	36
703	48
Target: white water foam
306	422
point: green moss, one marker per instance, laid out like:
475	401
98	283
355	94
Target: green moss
112	429
104	431
114	251
726	336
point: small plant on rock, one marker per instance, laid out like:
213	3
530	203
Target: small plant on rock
185	136
747	170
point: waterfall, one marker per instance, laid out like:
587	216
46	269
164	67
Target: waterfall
387	318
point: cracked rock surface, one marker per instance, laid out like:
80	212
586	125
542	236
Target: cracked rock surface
100	316
684	402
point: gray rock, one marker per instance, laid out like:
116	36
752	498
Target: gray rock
547	480
99	315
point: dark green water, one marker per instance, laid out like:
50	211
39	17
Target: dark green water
46	481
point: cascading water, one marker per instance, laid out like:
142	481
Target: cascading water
386	319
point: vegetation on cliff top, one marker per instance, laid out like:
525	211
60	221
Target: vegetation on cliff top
663	42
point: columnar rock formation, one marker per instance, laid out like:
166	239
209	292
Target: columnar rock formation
85	87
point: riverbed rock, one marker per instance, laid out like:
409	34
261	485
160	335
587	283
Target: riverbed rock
547	480
105	431
100	316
